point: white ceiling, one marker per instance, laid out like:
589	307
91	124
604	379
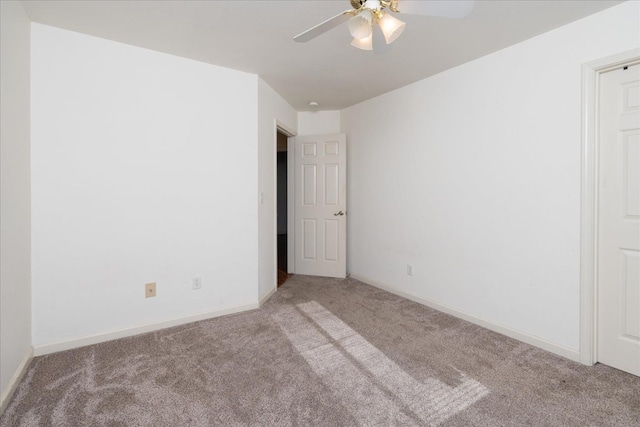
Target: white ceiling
257	37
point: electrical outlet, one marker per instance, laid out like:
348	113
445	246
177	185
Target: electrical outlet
409	270
150	290
196	283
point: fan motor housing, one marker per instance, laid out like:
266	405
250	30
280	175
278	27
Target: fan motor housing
391	4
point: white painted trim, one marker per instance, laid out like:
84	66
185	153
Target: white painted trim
589	199
5	398
291	206
151	327
274	231
284	129
265	297
504	330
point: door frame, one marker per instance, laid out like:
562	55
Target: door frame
282	128
291	205
589	199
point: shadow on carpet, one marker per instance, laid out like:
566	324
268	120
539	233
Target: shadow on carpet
325	352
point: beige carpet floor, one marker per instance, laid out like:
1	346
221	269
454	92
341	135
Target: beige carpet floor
322	352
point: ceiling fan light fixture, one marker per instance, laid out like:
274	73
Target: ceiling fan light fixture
391	27
364	44
360	24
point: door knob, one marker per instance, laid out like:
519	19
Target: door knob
339	213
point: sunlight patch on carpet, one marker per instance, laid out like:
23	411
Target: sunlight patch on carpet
373	387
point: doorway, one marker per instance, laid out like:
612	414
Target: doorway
282	201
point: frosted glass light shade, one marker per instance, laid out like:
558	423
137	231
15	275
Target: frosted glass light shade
360	25
364	44
391	27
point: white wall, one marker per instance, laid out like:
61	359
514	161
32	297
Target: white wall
271	107
473	177
15	196
144	168
318	122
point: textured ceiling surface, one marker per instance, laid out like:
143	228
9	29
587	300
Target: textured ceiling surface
257	37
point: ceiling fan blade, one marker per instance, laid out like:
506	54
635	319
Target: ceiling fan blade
441	8
323	27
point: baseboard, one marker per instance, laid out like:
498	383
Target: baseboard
123	333
5	398
504	330
266	296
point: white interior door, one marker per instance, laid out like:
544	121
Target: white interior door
619	220
320	205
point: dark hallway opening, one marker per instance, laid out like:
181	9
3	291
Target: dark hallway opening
281	190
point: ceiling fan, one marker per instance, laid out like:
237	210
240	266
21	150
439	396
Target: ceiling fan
366	13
